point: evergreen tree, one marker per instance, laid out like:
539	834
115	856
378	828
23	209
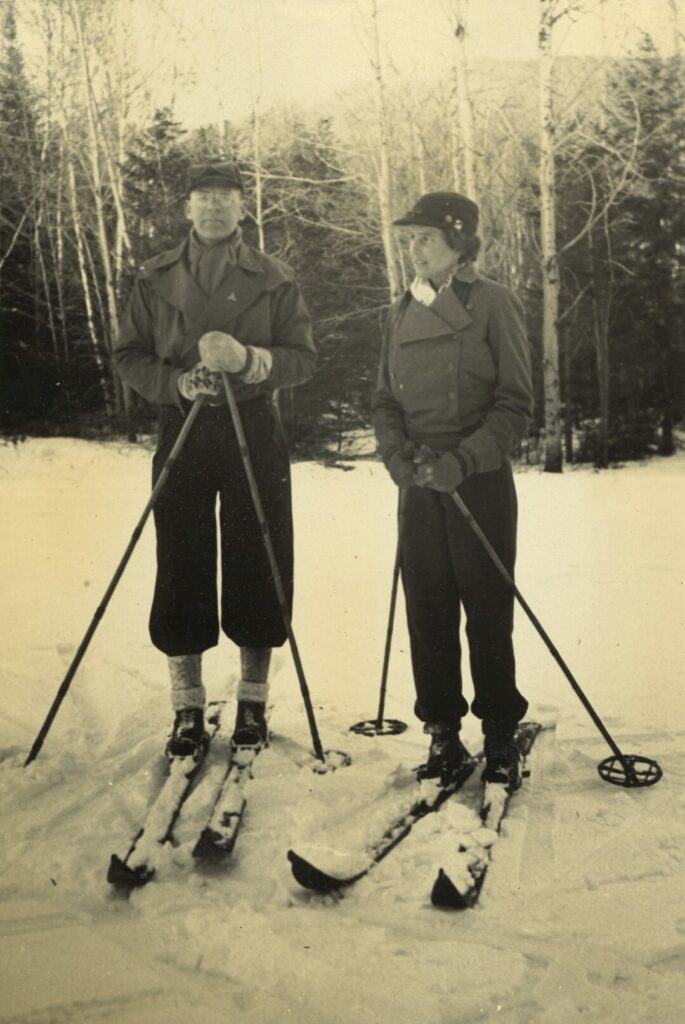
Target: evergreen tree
656	237
26	365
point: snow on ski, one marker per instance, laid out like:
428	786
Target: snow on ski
325	870
459	886
137	867
219	835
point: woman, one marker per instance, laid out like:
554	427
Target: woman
454	398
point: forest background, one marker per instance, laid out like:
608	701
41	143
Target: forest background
564	119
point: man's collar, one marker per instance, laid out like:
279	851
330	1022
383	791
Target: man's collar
232	241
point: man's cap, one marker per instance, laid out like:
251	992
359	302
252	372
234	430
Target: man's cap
214	174
443	210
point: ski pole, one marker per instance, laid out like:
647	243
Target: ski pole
632	769
100	610
390	726
275	571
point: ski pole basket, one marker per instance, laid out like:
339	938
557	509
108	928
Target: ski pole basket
630	771
379	727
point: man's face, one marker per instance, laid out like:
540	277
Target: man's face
214	211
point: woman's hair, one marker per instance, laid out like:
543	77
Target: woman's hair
468	246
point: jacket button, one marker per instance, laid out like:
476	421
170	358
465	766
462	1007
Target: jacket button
450	366
451	394
470	306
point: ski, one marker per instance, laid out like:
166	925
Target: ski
137	867
460	887
350	868
218	837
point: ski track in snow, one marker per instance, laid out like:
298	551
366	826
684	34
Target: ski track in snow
582	915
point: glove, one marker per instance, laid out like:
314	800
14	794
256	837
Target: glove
199	381
401	469
219	351
440	473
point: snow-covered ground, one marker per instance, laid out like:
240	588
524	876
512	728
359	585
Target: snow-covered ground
582	917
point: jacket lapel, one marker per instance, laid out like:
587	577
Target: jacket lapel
444	316
239	287
176	286
450	310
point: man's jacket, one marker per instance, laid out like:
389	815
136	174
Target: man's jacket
257	301
455	377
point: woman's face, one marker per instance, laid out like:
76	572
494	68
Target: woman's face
431	255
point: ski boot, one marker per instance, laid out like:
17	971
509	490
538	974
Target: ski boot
251	728
502	758
188	736
446	753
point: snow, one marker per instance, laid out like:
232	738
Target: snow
582	916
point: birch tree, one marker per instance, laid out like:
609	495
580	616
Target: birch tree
464	144
384	178
548	241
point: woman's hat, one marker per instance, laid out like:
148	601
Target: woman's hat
443	210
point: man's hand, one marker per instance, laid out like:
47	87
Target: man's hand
402	469
440	473
221	352
199	381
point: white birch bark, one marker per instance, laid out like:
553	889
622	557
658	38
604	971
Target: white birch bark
85	284
548	244
464	105
96	149
384	179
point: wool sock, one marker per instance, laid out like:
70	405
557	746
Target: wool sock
187	690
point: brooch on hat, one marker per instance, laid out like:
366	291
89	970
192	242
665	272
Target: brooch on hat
456	224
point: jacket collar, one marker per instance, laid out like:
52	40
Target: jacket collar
467	272
246	257
445	314
170	277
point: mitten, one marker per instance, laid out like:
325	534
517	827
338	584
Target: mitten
221	352
442	473
199	381
401	469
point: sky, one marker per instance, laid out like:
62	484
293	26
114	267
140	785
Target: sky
218	56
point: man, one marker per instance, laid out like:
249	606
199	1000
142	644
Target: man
454	398
215	304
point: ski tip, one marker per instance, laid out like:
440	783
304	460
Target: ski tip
310	877
120	874
445	893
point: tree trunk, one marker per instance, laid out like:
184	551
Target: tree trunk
384	181
464	105
667	444
83	271
96	144
550	263
675	25
418	151
258	182
602	350
568	417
